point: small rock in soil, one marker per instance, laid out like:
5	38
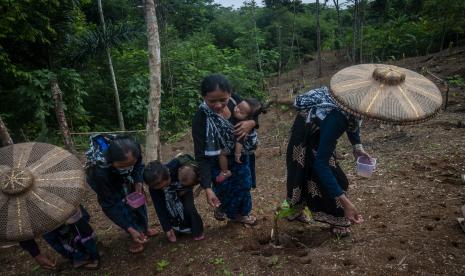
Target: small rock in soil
273	260
286	240
264	239
305	260
301	253
429	227
267	251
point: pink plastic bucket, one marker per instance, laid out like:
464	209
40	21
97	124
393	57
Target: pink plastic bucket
135	199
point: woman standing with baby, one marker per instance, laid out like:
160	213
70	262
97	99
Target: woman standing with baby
213	133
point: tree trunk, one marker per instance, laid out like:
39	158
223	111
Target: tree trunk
5	138
152	146
338	30
291	56
259	58
61	118
318	38
112	71
445	7
354	38
299	57
443	35
280	55
361	18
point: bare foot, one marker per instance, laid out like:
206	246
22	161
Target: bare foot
151	232
136	247
199	238
45	262
247	220
171	235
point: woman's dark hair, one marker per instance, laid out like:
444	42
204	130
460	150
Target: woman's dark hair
256	106
213	82
154	172
120	147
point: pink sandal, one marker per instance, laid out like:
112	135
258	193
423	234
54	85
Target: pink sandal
199	238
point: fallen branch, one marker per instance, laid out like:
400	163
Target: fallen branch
444	82
107	132
281	101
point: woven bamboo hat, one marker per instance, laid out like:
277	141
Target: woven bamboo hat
386	93
40	187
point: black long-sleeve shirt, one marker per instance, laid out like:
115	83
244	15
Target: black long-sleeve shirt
108	185
192	218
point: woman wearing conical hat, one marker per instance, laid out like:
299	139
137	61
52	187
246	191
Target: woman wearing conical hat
372	91
41	188
74	240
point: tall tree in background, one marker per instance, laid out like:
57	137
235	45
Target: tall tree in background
354	32
361	18
5	138
255	31
112	71
337	5
444	14
57	96
280	62
318	38
152	145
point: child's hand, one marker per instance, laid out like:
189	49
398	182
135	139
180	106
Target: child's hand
226	173
137	236
360	153
139	188
238	158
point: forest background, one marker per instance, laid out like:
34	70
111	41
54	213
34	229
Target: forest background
63	43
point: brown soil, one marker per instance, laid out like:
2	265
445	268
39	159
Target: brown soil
410	205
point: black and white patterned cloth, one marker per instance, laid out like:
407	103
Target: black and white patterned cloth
250	142
220	135
96	154
173	202
317	103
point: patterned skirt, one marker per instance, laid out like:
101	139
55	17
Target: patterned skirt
234	192
303	185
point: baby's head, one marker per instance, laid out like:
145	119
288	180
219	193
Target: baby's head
188	175
156	175
248	109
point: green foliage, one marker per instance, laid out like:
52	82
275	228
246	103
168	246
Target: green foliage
64	39
94	41
35	97
186	62
456	81
218	261
161	265
285	210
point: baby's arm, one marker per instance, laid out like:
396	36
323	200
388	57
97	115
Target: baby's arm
238	152
223	159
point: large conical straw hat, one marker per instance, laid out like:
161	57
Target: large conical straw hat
40	187
386	93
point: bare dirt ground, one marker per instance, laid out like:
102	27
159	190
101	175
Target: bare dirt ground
410	205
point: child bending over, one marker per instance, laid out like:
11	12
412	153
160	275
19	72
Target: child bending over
171	188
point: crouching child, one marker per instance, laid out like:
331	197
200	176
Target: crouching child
171	188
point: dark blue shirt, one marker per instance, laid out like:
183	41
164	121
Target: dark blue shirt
158	196
109	186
